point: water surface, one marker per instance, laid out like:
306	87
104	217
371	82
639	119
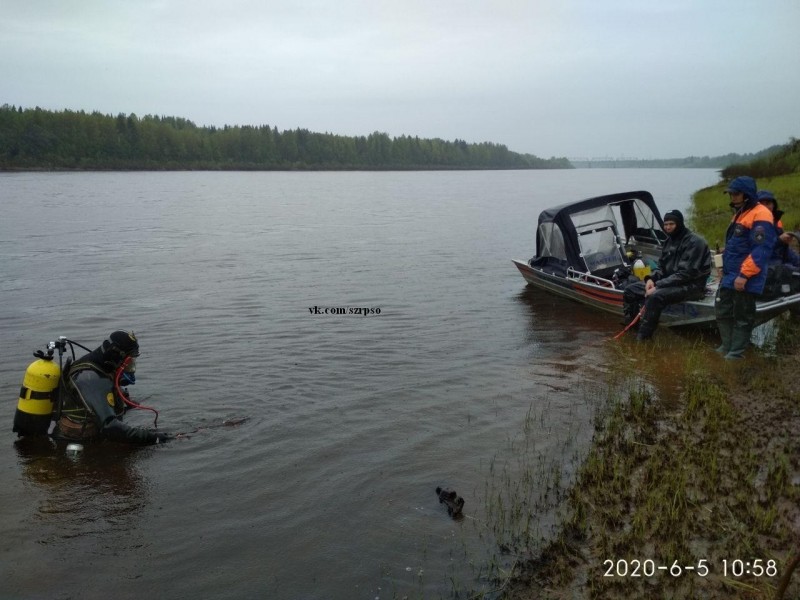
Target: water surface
327	490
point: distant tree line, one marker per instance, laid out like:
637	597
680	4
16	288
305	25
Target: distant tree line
778	170
42	139
773	162
689	162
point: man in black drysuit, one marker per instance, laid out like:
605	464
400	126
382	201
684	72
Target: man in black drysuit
682	272
90	395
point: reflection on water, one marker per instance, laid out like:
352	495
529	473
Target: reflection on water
655	361
76	513
555	316
573	333
94	491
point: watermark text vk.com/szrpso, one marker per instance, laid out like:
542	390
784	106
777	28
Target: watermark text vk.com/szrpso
344	310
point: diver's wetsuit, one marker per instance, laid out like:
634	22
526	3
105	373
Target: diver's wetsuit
91	408
683	269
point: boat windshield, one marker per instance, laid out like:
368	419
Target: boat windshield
599	249
598	238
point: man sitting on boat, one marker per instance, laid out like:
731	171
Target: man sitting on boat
682	273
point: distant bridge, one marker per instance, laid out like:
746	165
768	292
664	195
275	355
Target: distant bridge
587	162
585	159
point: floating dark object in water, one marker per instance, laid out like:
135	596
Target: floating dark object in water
451	500
235	421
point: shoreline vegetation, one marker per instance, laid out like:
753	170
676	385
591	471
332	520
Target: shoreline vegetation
37	139
709	480
34	139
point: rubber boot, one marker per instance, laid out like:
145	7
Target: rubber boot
725	332
740	340
646	328
630	311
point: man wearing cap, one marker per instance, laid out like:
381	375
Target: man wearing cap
749	242
91	399
682	273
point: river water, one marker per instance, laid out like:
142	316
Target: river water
464	379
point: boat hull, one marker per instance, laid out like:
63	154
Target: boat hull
606	298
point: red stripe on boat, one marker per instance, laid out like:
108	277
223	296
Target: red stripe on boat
612	298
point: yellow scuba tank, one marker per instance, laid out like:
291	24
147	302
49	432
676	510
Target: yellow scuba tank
36	398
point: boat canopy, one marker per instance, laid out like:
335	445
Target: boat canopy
590	235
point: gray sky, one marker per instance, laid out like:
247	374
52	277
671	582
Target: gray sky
576	78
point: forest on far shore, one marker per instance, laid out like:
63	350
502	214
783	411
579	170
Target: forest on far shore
34	138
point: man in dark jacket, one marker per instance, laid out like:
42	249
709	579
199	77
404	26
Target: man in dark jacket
682	273
92	402
749	243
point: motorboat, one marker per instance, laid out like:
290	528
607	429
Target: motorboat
586	252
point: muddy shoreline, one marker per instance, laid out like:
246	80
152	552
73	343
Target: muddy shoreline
694	497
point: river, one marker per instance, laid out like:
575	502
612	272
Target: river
458	377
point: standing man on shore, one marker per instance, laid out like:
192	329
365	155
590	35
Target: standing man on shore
749	242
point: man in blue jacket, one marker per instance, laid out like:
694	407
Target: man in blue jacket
749	242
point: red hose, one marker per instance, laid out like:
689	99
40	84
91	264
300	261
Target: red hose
124	396
629	325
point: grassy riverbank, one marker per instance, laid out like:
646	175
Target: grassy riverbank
678	489
708	477
711	213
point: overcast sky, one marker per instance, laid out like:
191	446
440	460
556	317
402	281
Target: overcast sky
575	78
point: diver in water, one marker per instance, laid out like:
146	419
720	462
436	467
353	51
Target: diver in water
92	401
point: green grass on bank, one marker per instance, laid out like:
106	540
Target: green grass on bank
696	481
711	213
